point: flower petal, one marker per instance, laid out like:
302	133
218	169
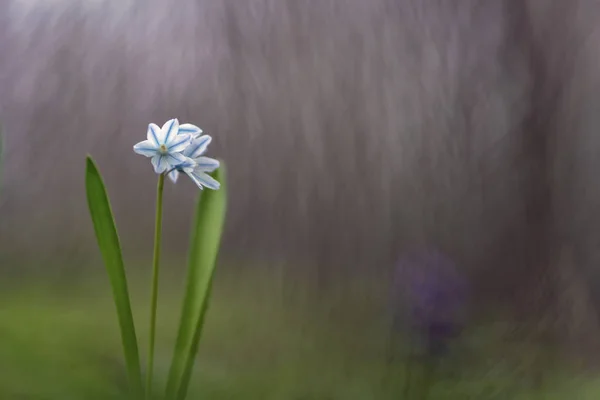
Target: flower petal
175	159
173	175
191	129
160	163
206	164
169	130
179	143
188	164
198	146
153	134
145	148
202	179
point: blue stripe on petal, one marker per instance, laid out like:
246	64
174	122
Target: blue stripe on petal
205	180
175	159
145	148
198	146
188	163
160	164
206	164
194	179
179	143
153	134
169	130
191	129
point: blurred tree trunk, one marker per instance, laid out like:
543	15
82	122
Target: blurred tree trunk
552	304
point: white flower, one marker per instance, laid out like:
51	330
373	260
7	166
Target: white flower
165	146
196	166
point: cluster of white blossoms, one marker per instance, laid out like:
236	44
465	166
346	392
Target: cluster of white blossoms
176	148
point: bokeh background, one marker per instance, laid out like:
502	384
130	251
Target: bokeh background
354	131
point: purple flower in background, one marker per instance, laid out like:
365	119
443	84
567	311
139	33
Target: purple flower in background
429	299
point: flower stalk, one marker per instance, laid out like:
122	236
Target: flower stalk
154	291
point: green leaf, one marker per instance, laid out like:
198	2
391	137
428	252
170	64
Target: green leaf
108	241
206	240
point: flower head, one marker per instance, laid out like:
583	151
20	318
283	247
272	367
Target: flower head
165	146
176	148
196	165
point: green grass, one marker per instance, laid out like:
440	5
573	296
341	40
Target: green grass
261	342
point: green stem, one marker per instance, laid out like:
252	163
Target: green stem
155	270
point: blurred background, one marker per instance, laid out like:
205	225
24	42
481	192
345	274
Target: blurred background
355	133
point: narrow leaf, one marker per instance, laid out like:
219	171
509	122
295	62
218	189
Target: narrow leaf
205	243
108	241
